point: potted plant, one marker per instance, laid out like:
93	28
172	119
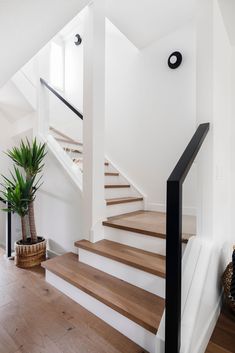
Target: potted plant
20	193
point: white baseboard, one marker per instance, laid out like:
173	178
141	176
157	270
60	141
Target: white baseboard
130	329
160	207
206	334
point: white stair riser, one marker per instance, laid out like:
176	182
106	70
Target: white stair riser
114	210
140	241
130	329
73	155
67	145
111	193
109	179
147	281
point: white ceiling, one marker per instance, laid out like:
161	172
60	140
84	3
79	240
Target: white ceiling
144	21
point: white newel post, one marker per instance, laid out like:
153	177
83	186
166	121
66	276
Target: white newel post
94	121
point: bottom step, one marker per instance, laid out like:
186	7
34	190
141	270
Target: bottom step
131	310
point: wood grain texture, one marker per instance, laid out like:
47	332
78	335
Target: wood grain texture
223	337
120	200
36	318
111	174
143	260
150	223
140	306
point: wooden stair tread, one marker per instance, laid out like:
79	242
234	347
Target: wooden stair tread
111	174
116	186
150	223
72	150
119	200
138	305
143	260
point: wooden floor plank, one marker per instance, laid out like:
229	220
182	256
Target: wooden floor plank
143	260
150	223
36	318
223	337
142	307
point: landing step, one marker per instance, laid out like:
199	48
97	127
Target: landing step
150	223
136	304
116	186
143	260
120	200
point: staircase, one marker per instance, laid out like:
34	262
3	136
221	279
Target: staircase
121	278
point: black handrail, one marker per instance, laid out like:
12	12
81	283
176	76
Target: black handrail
174	240
58	95
8	229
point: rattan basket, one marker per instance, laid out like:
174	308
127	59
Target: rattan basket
30	255
226	280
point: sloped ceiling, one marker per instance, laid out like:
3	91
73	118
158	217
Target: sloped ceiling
144	21
228	12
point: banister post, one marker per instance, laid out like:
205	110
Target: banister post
173	267
94	121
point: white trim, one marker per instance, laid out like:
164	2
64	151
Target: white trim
206	334
160	207
129	181
66	162
121	323
147	281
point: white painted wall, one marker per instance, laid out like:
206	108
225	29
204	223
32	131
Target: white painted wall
5	143
214	172
74	67
233	143
35	23
59	208
150	110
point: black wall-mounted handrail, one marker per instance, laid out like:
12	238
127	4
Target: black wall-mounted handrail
8	229
174	240
58	95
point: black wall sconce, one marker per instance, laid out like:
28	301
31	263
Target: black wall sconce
174	60
78	39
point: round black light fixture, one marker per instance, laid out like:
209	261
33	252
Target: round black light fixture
174	60
78	39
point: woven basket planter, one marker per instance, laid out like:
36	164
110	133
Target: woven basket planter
226	280
30	255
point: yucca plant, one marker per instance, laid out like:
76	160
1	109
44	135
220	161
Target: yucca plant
19	193
29	156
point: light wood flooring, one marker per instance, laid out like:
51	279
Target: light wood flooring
36	318
223	337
